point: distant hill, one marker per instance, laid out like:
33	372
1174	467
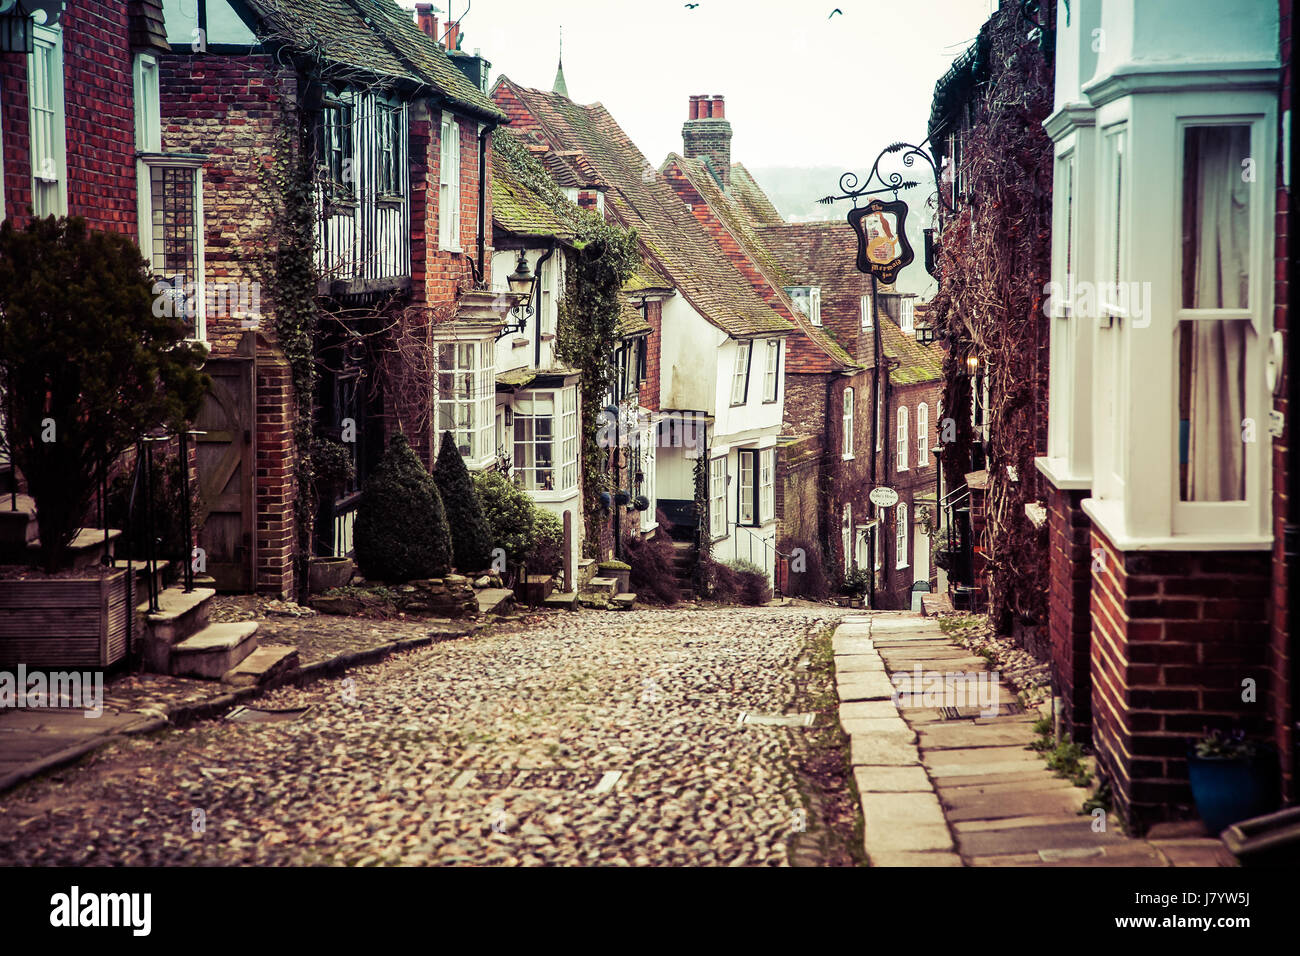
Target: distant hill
794	190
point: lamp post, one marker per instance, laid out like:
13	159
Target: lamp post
522	283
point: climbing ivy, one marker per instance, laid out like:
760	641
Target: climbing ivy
290	280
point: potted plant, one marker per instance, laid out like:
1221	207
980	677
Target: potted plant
1232	778
856	583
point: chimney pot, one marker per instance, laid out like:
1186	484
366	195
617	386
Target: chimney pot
695	107
719	108
425	20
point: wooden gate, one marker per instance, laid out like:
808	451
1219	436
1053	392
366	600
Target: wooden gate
225	469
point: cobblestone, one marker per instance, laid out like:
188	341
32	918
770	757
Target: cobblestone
486	749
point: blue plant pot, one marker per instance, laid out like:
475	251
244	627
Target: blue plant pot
1228	791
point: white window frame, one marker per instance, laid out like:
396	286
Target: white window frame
901	560
922	434
148	104
846	425
771	375
846	536
864	305
815	302
51	37
649	487
862	545
766	485
907	314
195	300
718	497
879	561
740	378
449	184
902	450
747	510
480	376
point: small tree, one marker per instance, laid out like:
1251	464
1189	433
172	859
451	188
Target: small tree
86	366
470	539
509	513
401	528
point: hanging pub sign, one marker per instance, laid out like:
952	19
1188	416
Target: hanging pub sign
883	249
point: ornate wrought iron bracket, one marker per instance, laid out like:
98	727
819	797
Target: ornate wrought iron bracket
892	182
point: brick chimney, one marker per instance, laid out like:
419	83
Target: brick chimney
706	132
453	36
426	21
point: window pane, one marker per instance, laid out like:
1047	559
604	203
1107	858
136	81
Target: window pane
1216	218
1211	406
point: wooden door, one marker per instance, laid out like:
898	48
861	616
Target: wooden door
225	470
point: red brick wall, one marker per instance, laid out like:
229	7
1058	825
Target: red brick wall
1281	663
650	390
99	106
1070	623
1174	635
276	487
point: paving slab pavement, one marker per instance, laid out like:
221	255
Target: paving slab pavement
968	791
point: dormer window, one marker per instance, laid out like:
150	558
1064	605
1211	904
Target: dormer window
808	300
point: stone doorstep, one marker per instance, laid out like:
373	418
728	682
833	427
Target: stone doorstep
883	750
891	780
214	650
261	666
624	601
173	603
608	585
566	602
495	600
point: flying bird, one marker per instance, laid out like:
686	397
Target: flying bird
835	11
691	6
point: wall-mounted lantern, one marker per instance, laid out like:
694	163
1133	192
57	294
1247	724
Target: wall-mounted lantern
15	27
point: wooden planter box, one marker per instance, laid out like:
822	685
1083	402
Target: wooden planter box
64	622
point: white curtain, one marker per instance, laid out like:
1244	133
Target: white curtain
1219	224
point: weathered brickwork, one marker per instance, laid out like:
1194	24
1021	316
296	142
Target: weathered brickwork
1178	640
275	484
99	106
1069	534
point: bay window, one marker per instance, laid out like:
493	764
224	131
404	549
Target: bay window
466	396
545	438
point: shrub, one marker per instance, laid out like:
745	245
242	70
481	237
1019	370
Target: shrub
470	540
810	581
401	529
546	554
84	354
723	583
653	572
857	582
751	583
508	511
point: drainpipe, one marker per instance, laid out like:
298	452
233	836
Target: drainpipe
482	198
1291	525
537	313
876	537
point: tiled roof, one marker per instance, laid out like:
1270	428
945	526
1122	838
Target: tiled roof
809	351
631	320
916	362
647	278
639	198
519	210
750	196
376	37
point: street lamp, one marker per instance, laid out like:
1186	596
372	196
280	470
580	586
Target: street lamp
15	27
522	282
925	334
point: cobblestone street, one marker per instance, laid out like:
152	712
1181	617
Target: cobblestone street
609	738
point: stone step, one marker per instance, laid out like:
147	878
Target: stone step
607	585
495	600
537	588
595	599
214	651
261	666
623	602
561	601
179	616
86	549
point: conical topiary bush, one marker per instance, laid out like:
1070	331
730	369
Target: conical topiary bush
471	543
401	530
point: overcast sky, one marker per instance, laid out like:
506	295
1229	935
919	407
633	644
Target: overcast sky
802	89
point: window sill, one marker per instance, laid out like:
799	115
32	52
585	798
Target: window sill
519	342
552	496
1108	517
849	457
1057	472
